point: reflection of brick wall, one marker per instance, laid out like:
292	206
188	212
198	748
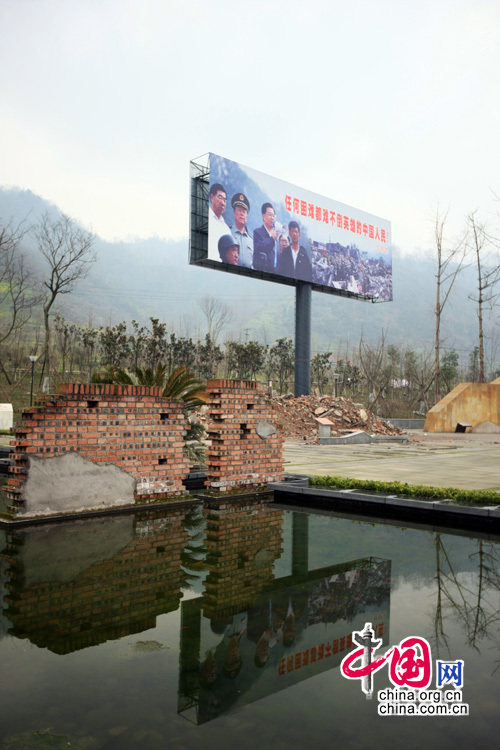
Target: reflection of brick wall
238	456
109	599
243	539
132	427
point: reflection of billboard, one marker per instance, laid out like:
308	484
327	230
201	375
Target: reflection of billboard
291	633
261	226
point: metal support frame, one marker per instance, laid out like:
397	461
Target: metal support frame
198	234
303	338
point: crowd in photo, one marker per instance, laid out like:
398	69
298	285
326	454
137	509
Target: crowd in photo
350	269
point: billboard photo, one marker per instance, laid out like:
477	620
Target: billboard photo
271	229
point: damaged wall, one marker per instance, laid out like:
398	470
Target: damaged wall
246	446
126	443
95	447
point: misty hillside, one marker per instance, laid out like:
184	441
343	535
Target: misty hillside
151	277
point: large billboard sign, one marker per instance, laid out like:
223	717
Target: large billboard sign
260	226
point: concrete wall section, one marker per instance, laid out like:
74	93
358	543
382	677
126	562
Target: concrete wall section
132	434
73	483
472	403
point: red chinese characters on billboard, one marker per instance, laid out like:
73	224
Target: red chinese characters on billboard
341	221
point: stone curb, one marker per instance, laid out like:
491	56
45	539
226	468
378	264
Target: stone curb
386	505
6	523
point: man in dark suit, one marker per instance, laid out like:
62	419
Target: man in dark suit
264	241
294	260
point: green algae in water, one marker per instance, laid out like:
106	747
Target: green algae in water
146	647
44	740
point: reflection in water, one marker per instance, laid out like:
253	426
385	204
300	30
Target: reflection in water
236	603
299	628
243	540
74	585
471	601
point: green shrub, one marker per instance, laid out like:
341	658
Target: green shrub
480	497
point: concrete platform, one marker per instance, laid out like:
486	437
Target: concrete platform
465	460
429	513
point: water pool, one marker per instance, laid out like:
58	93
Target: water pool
226	625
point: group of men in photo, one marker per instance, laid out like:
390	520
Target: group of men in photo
273	247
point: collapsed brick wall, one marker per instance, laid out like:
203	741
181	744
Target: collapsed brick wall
108	600
133	427
246	447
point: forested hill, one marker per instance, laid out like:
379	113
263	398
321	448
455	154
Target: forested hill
140	278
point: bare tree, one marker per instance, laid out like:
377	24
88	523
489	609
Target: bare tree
488	274
373	365
68	252
420	372
217	315
17	283
449	264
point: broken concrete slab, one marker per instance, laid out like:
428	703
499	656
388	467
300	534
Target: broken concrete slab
265	429
486	428
359	436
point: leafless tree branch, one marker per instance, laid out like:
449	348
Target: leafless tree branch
68	252
17	282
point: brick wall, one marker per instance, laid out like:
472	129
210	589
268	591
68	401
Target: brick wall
239	456
132	427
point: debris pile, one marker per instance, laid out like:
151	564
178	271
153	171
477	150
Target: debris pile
297	417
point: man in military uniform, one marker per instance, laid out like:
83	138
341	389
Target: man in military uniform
239	230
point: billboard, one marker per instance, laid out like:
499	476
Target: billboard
260	226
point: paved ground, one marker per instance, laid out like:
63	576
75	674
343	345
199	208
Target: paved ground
440	460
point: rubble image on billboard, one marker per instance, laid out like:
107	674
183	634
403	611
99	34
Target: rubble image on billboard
261	224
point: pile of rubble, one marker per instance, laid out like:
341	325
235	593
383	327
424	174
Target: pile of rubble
297	417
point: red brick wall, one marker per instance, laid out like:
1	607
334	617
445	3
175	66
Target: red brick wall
132	427
238	457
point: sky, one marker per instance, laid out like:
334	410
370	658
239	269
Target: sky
391	107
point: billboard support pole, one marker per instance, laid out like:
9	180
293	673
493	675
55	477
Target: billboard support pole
303	338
